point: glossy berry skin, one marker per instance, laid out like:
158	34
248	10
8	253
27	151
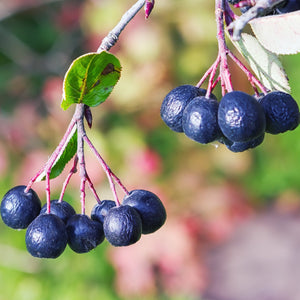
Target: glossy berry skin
101	209
150	208
84	234
243	146
200	120
19	209
46	236
174	103
288	6
61	209
281	111
122	226
241	117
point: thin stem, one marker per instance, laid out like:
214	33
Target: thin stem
215	82
49	164
113	36
223	50
110	175
48	191
80	152
72	171
92	188
261	7
206	74
252	79
212	76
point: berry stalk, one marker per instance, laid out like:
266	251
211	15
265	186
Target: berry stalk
81	112
223	50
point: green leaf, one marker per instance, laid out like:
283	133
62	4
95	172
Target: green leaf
90	79
265	64
64	156
279	33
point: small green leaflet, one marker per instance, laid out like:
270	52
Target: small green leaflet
64	157
265	64
90	79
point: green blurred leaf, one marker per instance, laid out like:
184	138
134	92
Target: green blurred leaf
90	79
265	64
64	157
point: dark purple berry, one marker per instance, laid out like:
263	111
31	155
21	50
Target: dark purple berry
46	236
101	209
200	120
19	209
84	234
281	111
243	146
150	208
122	226
288	6
241	117
174	103
62	209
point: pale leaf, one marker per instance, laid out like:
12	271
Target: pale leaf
265	64
279	33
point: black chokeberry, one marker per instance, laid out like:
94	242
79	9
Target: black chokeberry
84	234
288	6
122	226
101	209
281	111
241	117
174	103
242	146
62	209
46	236
150	208
200	120
20	208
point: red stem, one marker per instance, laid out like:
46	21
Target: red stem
223	50
252	79
212	76
110	175
72	171
92	188
49	164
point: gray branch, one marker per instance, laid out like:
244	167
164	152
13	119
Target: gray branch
114	34
259	9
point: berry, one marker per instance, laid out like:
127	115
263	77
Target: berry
150	208
288	6
234	1
19	209
84	234
241	117
101	209
174	103
281	111
46	236
200	120
122	226
61	209
242	146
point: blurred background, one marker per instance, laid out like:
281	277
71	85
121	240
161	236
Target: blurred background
233	227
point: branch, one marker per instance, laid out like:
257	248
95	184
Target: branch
113	36
259	9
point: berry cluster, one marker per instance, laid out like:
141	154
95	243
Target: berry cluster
239	120
48	234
